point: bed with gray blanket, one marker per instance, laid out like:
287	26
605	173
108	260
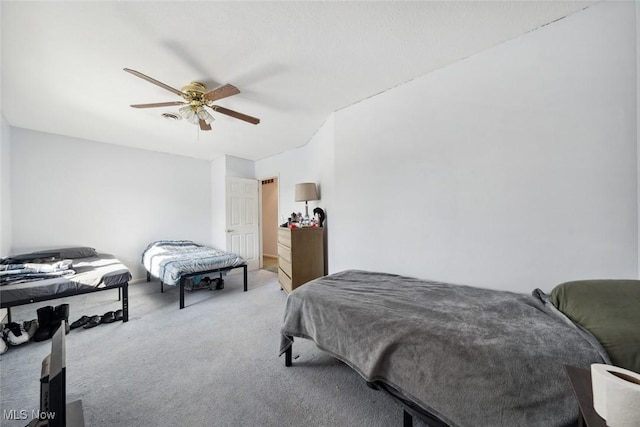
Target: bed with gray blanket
460	355
57	273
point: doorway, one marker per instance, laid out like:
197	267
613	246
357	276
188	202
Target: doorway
269	205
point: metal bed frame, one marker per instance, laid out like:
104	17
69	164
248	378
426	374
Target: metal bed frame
123	295
184	277
409	409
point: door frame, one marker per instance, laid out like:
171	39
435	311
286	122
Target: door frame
275	176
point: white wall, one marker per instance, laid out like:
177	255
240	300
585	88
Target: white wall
512	169
5	188
239	168
218	203
290	167
313	162
68	191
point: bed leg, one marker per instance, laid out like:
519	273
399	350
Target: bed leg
119	294
8	314
407	419
161	287
148	277
181	294
287	356
245	278
125	302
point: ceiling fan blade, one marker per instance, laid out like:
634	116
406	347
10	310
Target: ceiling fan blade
221	92
154	81
204	125
235	114
158	104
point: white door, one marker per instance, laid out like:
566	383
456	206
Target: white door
243	230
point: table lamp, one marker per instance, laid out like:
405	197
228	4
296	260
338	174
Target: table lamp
304	192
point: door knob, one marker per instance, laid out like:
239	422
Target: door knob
230	230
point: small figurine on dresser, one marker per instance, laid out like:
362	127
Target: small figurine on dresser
320	214
296	220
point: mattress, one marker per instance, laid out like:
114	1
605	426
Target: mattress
95	272
170	260
468	356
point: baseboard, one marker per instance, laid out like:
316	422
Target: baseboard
269	256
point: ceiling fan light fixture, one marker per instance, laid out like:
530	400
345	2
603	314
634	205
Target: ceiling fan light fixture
186	111
193	119
204	115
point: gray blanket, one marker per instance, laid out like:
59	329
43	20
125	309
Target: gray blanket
469	356
99	271
169	260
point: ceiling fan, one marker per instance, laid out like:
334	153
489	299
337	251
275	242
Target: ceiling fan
196	97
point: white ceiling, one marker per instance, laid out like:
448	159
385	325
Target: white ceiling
294	63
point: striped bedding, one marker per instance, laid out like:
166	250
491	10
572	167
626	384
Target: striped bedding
169	260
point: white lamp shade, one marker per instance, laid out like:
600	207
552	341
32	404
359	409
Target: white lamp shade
306	191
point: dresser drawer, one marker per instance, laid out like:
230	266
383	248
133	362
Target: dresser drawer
284	252
284	280
284	237
285	265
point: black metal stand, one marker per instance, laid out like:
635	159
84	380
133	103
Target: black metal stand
200	273
123	295
125	302
287	356
407	419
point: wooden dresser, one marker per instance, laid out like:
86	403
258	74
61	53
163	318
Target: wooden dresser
300	256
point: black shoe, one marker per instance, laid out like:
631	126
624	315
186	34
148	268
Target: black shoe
118	314
80	322
93	321
108	317
45	327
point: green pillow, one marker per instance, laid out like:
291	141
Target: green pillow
610	310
